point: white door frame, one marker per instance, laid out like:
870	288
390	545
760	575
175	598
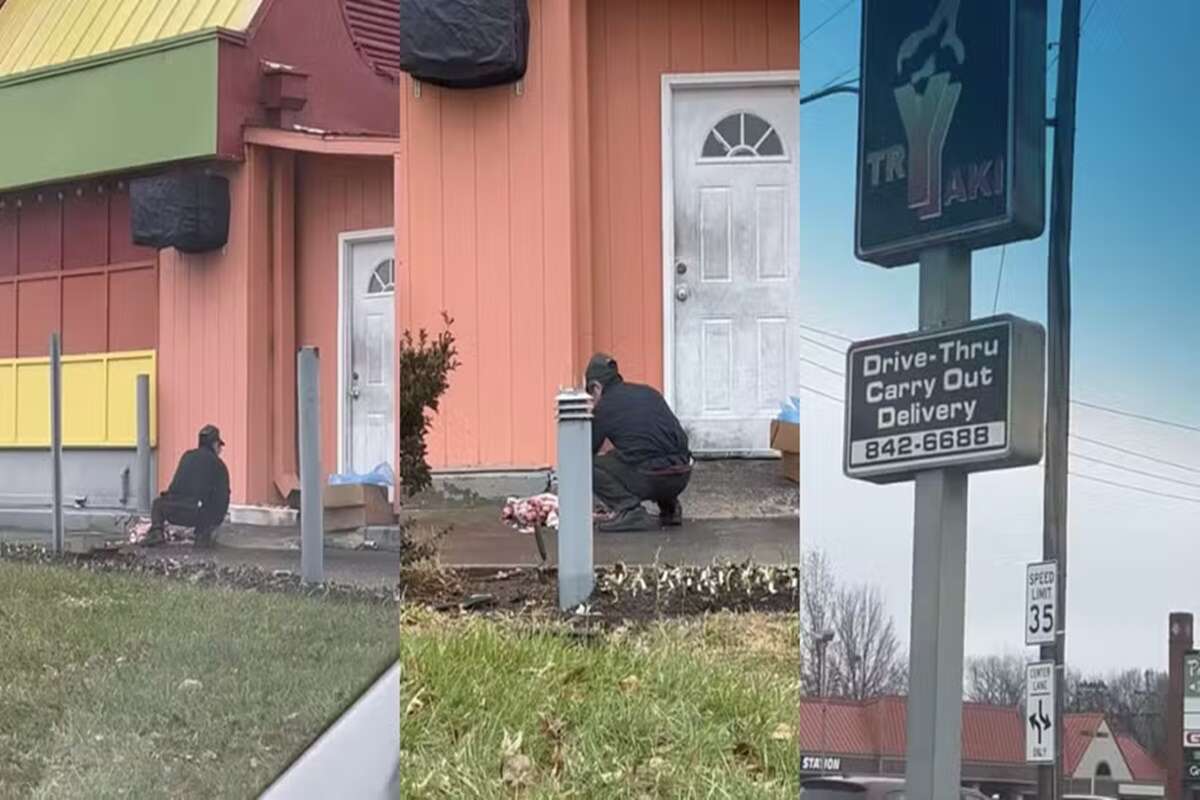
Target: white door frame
670	83
346	241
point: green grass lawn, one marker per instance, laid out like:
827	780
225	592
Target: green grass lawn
98	682
502	708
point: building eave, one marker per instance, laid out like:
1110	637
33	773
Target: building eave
307	140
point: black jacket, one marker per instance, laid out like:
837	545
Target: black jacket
641	426
202	478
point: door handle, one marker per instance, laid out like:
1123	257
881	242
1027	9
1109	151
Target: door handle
355	392
682	293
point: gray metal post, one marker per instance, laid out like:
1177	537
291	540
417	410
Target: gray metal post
933	765
312	523
56	493
143	444
576	578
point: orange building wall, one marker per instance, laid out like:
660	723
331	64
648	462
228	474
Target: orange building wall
333	195
204	362
219	351
631	44
487	226
535	220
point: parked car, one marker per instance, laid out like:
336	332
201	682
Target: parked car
864	788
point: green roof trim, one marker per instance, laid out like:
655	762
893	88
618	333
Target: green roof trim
137	108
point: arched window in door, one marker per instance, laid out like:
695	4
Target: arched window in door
743	136
383	279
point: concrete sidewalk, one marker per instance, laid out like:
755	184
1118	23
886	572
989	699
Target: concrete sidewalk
478	539
114	523
723	489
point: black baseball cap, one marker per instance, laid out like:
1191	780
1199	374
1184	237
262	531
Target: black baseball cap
209	435
602	369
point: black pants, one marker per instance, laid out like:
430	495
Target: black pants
185	514
621	487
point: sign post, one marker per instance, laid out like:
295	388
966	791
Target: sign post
1191	720
1041	603
1040	701
951	159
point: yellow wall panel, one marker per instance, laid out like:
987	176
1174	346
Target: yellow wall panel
33	402
84	392
123	370
99	400
8	403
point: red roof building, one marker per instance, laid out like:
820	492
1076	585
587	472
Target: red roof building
868	737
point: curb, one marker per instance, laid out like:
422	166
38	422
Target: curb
231	535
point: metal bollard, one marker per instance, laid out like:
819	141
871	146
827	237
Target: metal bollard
576	577
312	523
56	492
143	444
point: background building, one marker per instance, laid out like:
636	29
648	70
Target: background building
869	738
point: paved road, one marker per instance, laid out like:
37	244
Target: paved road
477	539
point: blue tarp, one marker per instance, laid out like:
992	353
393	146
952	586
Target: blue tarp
382	475
790	411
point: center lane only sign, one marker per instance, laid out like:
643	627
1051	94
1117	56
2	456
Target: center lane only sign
968	397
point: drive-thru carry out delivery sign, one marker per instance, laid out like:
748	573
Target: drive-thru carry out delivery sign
969	397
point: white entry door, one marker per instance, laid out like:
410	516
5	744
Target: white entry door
368	352
734	276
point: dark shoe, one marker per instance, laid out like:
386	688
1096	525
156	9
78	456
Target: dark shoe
204	541
153	538
635	520
671	516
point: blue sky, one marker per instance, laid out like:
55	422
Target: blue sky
1136	282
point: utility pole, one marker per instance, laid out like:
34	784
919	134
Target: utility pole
822	643
1058	377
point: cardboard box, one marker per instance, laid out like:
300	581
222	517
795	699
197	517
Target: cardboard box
791	467
785	437
353	506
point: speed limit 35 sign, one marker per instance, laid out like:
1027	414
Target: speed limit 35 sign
1041	603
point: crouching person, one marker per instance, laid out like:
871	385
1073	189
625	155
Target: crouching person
649	459
198	496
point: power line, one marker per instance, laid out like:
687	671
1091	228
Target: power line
1129	452
820	393
824	332
1084	403
816	363
819	343
1112	464
827	20
1157	476
841	75
1136	488
999	277
1143	417
1117	484
1081	26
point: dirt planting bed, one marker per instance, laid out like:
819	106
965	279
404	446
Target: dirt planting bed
201	573
622	594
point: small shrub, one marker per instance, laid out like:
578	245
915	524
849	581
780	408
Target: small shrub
425	366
